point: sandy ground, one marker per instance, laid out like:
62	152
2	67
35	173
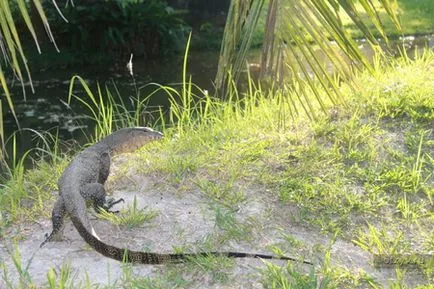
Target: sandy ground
183	219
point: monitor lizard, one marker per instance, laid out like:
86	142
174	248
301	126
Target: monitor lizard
83	181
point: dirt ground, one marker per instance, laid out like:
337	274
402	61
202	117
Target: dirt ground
183	219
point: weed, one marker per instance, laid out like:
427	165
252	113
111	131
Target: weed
24	278
218	267
232	229
354	140
132	217
398	178
171	280
107	111
24	192
382	241
410	210
290	244
223	193
277	277
64	279
180	167
398	283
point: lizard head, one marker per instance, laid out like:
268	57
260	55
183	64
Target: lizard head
129	139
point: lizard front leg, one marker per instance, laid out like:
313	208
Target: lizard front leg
57	216
95	193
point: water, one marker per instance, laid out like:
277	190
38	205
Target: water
46	109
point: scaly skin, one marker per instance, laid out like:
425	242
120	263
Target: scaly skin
83	180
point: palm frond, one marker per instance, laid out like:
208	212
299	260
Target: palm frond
242	19
13	52
296	34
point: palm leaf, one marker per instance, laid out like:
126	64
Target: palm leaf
13	52
242	19
2	132
295	31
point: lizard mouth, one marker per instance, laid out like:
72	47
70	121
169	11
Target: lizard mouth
154	136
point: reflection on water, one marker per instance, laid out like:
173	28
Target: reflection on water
47	109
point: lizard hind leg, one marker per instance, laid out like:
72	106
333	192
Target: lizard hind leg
57	216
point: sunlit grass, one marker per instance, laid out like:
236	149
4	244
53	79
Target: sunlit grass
369	162
415	17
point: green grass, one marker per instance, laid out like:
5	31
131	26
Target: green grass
23	193
230	228
370	163
131	217
363	173
416	17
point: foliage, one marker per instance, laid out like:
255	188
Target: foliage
348	173
145	27
288	56
13	53
415	17
34	186
118	27
342	173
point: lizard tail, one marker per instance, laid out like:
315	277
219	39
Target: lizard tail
126	255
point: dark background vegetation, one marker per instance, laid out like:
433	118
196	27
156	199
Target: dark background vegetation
99	31
103	31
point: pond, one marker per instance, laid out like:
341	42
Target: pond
46	109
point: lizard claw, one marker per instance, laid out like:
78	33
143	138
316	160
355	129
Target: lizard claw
47	239
112	201
109	204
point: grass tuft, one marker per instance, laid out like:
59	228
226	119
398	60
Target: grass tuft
132	217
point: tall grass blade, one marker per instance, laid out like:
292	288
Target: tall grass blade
27	20
2	135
